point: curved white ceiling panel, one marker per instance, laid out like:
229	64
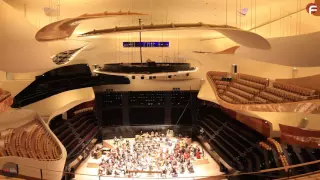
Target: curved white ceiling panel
64	28
56	47
20	52
242	37
246	38
296	51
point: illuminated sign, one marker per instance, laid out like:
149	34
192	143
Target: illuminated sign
145	44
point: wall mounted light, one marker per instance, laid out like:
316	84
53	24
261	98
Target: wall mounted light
294	72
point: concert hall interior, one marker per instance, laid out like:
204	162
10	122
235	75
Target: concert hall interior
159	89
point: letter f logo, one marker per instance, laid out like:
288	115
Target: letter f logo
312	8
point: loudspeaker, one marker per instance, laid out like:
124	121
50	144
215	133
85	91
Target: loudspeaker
187	74
169	76
133	77
235	68
154	77
142	77
150	77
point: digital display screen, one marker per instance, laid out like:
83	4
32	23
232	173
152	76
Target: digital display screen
145	44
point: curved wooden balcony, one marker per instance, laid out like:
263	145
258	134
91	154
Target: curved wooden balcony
30	141
5	100
243	92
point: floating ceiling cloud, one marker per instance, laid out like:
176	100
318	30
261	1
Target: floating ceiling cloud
20	52
297	51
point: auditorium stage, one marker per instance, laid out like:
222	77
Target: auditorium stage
203	167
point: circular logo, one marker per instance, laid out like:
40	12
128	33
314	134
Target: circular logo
312	8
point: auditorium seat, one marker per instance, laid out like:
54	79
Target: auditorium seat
222	87
260	100
241	93
265	146
250	84
239	147
304	156
29	141
245	88
83	110
248	89
220	91
295	89
295	160
255	79
271	97
236	98
285	94
75	132
280	152
226	83
216	78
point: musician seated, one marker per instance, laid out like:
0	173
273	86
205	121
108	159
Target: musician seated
174	172
190	168
101	169
182	169
116	172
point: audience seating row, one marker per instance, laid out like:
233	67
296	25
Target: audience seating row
295	89
238	148
250	89
226	83
250	84
241	93
227	99
75	130
278	147
236	98
246	150
223	87
271	97
265	146
245	88
220	91
260	100
255	79
216	77
83	110
29	141
288	95
4	95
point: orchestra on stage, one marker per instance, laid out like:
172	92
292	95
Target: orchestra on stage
150	153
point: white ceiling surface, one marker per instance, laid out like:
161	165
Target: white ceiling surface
175	11
20	52
18	46
167	11
296	51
